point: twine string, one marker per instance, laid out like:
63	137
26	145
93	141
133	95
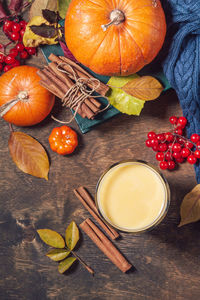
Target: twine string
71	99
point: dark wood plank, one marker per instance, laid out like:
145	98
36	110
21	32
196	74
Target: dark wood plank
166	260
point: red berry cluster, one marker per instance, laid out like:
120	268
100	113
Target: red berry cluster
172	147
14	30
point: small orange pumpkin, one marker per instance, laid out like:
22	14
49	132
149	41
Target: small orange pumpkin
35	102
115	37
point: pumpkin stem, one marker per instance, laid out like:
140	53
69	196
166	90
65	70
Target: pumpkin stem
116	18
23	96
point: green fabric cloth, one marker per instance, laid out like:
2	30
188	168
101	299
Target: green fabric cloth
85	124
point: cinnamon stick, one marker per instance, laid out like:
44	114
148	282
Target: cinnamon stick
89	204
69	83
62	89
105	245
103	88
87	106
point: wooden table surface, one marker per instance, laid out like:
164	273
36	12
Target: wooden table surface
166	259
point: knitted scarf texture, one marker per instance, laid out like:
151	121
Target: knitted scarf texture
181	64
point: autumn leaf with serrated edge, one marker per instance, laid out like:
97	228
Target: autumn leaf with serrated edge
190	207
28	154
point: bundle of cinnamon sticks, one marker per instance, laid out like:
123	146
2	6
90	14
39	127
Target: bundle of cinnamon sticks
96	235
60	76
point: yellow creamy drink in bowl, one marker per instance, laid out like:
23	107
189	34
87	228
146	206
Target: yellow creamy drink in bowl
132	196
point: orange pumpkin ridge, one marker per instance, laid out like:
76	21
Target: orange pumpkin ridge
114	37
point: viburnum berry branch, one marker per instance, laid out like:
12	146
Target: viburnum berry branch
172	147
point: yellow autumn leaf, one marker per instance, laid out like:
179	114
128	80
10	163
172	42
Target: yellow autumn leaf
30	39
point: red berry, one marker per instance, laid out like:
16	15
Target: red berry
13	52
168	156
195	137
151	135
9	59
171	165
197	153
189	145
7	25
22	32
181	141
191	159
7	68
1	67
169	136
176	155
163	165
178	131
16	63
155	148
23	24
161	137
2	57
176	147
170	145
24	54
154	142
31	50
173	120
180	160
20	47
198	144
160	156
182	121
162	147
15	36
185	152
148	143
16	27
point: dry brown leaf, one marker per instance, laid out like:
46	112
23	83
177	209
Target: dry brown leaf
190	207
39	5
145	88
28	154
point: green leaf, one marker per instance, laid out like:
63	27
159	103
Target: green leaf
62	7
58	254
121	100
51	238
66	264
72	235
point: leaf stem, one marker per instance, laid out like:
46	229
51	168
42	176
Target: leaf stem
83	263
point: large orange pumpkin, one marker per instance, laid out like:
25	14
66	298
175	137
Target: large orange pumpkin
132	39
35	102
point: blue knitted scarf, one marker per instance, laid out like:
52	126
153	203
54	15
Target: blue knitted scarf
182	62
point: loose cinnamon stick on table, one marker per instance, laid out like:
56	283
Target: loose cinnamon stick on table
105	245
89	204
